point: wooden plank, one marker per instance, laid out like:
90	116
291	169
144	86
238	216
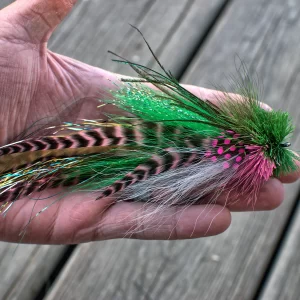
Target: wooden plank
229	266
5	3
270	47
170	27
92	29
284	280
25	269
264	36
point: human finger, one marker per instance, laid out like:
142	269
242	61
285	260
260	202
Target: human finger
269	197
140	221
38	18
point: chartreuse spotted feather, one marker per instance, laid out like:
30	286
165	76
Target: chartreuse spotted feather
174	149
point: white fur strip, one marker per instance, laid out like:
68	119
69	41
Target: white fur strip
184	185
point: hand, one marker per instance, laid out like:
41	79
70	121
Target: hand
35	83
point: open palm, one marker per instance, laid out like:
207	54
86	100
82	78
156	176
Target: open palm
36	83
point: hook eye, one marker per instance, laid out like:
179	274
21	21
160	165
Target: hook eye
285	145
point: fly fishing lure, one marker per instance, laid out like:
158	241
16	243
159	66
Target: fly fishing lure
175	148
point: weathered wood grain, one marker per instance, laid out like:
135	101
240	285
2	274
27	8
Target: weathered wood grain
4	3
285	277
265	35
25	268
269	45
171	27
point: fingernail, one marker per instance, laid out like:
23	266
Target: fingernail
265	106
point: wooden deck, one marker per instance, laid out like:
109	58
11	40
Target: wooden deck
199	40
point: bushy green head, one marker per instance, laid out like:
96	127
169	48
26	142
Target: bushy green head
262	127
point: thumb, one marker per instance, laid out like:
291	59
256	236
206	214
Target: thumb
38	18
